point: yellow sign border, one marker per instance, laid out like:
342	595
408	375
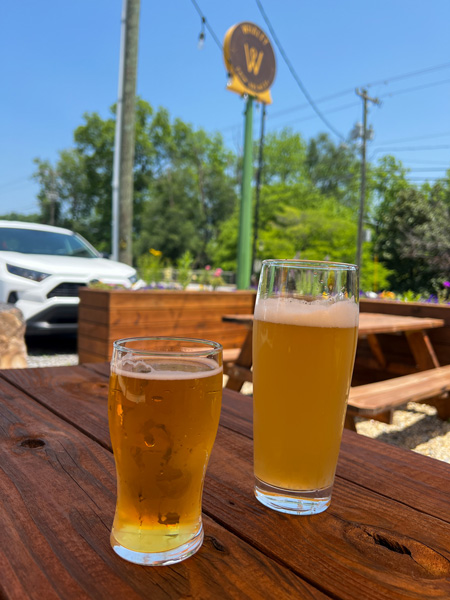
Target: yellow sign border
235	83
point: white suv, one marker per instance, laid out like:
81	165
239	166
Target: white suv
41	269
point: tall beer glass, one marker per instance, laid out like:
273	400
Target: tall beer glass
164	405
304	342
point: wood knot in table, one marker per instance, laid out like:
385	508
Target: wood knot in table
401	553
32	443
215	543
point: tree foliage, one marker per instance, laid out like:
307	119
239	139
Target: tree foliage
182	186
186	200
412	239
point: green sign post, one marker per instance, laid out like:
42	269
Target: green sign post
250	62
245	221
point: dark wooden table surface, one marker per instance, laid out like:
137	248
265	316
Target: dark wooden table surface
386	534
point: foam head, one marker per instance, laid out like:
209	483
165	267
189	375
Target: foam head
319	313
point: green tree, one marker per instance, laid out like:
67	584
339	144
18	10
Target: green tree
284	158
192	193
334	170
305	202
183	189
412	240
78	188
13	216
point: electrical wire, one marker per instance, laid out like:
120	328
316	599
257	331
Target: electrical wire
313	103
409	74
413	139
402	91
429	162
413	149
14	182
294	73
285	111
331	110
208	26
422	179
414	89
428	169
352	90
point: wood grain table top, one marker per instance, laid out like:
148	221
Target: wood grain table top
385	536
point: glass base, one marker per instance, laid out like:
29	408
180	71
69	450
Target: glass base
293	502
168	557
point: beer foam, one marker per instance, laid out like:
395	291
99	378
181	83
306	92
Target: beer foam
166	374
320	313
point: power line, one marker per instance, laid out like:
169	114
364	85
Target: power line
412	149
14	182
422	179
285	111
428	169
230	128
429	162
208	26
413	139
352	90
313	103
410	74
403	91
331	110
294	73
303	106
414	89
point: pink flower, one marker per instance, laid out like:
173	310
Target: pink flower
208	268
447	284
218	272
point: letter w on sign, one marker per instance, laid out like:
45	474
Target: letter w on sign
253	58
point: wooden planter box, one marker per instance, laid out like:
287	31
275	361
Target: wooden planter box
395	347
108	315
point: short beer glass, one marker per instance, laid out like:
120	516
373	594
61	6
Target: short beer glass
304	342
164	405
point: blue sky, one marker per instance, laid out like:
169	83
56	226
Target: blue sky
59	59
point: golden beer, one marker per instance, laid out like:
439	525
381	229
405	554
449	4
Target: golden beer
163	422
303	362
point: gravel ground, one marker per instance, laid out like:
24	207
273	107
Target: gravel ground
52	360
415	426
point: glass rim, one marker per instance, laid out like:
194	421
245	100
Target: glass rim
311	264
214	347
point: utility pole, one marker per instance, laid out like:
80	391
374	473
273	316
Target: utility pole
363	94
53	197
122	213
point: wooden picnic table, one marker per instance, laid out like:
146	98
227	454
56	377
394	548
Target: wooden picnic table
386	535
370	326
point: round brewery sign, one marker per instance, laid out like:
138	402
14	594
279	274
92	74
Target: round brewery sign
250	60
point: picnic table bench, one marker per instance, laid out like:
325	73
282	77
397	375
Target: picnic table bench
377	400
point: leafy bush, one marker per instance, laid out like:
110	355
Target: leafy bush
150	267
184	267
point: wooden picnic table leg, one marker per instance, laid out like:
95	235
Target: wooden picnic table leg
349	422
422	350
240	371
426	358
375	347
376	350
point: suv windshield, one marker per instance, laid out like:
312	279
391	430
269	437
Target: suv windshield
33	241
